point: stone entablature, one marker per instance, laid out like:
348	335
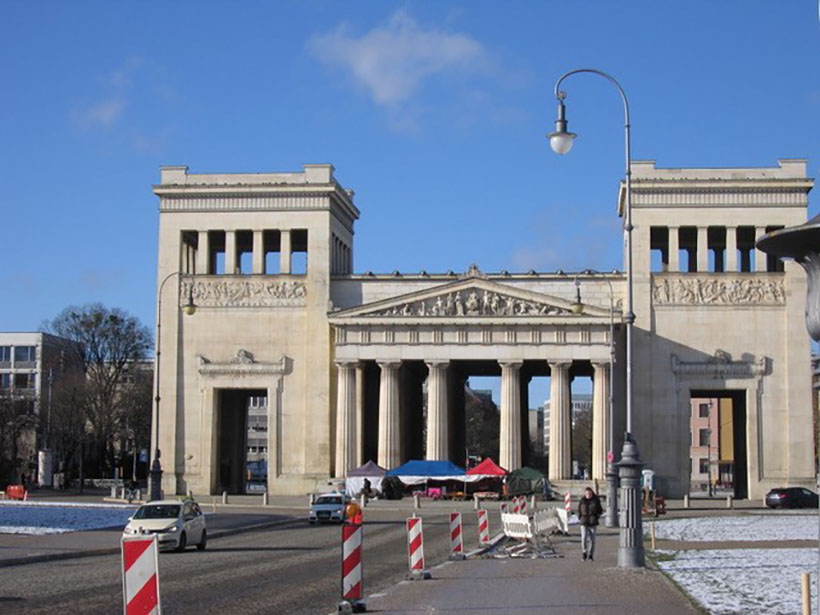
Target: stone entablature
243	291
720	366
243	364
716	289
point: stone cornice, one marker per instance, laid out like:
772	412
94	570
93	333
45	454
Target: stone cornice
243	364
719	366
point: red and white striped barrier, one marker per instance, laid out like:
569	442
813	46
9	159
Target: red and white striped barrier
516	506
456	536
483	527
505	508
415	549
352	592
522	504
568	503
140	576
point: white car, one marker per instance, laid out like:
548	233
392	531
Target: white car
328	507
176	524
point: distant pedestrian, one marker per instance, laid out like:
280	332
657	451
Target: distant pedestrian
589	510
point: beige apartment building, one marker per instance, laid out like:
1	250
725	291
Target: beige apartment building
338	360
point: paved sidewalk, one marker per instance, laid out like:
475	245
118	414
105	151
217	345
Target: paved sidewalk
558	586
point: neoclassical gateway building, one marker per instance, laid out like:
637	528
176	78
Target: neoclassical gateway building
294	369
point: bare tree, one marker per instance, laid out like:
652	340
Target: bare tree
17	424
107	343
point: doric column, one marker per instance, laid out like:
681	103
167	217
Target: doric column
600	419
760	257
284	252
203	253
438	415
560	461
258	253
230	252
674	250
703	249
389	419
510	436
731	249
346	443
359	415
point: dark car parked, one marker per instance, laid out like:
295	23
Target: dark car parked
791	497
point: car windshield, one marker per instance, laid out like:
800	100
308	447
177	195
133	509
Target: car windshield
329	499
158	511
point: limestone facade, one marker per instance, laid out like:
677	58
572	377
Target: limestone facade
343	358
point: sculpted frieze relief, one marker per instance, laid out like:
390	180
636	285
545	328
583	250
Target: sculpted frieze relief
720	366
717	291
472	303
217	291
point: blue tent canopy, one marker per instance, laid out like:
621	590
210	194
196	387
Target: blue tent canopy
419	470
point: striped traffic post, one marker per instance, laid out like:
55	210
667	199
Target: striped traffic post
352	590
456	536
415	550
140	576
483	527
516	506
505	508
522	504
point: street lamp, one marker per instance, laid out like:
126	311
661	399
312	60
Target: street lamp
611	518
630	552
155	474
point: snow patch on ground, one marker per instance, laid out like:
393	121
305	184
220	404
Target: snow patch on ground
750	528
57	518
729	582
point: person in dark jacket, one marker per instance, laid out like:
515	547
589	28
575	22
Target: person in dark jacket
589	509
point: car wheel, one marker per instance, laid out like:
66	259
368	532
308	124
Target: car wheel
183	542
203	541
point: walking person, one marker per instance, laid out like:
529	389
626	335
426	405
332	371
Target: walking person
589	510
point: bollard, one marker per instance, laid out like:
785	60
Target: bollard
806	591
265	498
456	537
416	501
476	503
730	503
686	500
483	527
122	493
652	533
139	495
352	582
224	497
113	492
363	501
533	505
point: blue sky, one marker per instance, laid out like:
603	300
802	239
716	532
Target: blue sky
434	112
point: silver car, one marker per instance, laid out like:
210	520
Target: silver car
176	524
328	507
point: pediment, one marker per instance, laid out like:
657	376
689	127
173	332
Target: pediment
470	298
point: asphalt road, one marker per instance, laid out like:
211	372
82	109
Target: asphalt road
285	569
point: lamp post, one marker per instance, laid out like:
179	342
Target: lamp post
155	474
611	517
630	552
802	243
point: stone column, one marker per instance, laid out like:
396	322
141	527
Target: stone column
760	257
600	419
438	415
203	253
560	460
703	249
674	250
345	418
230	252
359	415
731	249
389	418
510	436
258	253
284	252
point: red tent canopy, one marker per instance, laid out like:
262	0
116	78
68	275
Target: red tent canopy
488	467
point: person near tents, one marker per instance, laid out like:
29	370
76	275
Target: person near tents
589	510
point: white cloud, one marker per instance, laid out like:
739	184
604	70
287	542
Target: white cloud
101	115
392	61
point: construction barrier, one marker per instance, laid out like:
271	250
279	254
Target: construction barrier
140	576
16	492
568	503
456	536
415	549
522	504
505	508
352	589
483	528
516	506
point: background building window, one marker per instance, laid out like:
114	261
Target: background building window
24	354
23	381
703	410
5	381
703	437
704	465
5	354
